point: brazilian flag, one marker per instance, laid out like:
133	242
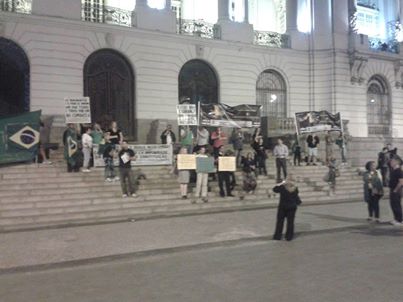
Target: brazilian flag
19	137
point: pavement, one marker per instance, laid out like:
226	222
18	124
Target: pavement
48	248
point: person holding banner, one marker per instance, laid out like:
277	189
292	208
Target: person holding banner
127	180
71	151
186	136
202	179
224	177
218	137
167	136
313	142
183	178
202	138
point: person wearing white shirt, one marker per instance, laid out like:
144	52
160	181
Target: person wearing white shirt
87	149
202	138
281	153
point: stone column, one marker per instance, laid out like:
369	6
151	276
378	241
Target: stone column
141	3
400	9
291	15
168	5
246	11
223	10
340	16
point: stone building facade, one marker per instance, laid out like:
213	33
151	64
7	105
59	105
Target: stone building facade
138	59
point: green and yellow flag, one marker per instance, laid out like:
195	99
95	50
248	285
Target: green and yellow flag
19	137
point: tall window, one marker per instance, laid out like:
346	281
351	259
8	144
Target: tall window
206	10
268	15
198	83
378	107
271	93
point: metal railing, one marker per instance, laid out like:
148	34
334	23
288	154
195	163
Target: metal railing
283	125
99	13
16	6
382	130
391	46
272	39
197	28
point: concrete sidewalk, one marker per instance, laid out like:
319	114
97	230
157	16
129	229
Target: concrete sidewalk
51	246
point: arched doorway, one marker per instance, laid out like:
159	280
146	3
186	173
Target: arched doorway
271	93
14	79
198	83
109	82
379	111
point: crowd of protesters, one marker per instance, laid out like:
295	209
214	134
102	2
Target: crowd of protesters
78	141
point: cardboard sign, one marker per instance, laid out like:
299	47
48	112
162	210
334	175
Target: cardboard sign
227	163
186	162
146	155
77	110
205	165
187	115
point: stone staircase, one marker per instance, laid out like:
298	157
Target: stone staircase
34	196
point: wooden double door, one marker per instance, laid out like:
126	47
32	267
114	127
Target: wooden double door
109	82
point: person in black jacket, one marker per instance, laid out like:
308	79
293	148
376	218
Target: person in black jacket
167	136
289	201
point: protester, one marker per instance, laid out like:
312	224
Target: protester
108	156
186	139
167	136
296	150
383	165
396	185
280	152
42	142
257	133
218	139
71	152
332	174
237	143
373	191
202	179
224	177
202	138
249	182
313	142
329	146
261	155
342	142
127	180
249	163
86	141
97	134
183	177
289	201
115	134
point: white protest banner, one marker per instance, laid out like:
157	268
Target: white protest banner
187	115
186	162
146	155
77	110
227	163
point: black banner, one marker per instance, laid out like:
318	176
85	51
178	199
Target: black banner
221	115
317	121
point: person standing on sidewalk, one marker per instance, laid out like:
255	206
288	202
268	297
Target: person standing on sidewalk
373	191
396	185
127	180
287	207
280	152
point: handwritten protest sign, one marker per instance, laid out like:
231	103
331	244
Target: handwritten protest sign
227	163
186	162
77	110
187	115
205	165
